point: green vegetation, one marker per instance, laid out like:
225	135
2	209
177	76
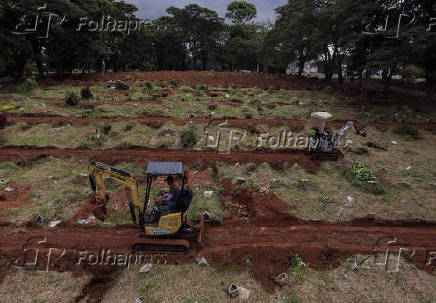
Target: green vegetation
149	85
189	137
28	85
86	93
361	176
72	99
297	267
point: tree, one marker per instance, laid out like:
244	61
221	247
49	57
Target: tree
241	12
294	32
199	28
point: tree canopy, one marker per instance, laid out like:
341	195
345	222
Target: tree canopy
350	38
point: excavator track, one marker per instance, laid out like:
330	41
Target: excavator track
164	246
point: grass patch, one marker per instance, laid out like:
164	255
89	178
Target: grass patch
407	132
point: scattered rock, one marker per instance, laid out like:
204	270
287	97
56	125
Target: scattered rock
350	199
394	142
303	180
233	290
54	223
353	265
87	221
248	263
139	300
208	194
203	262
282	279
8	189
146	268
264	189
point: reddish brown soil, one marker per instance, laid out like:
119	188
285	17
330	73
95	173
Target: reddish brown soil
267	245
251	206
156	121
216	79
257	230
13	198
276	159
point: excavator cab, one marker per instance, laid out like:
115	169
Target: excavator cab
171	219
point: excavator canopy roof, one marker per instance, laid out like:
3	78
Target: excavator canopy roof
165	169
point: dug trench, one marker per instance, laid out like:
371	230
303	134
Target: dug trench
257	231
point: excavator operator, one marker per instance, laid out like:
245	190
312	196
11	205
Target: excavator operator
166	203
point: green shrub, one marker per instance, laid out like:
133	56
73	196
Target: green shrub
361	176
173	84
120	85
86	93
202	87
297	267
189	137
71	99
149	84
403	115
215	171
28	85
366	116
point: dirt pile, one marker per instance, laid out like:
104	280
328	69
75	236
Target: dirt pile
243	206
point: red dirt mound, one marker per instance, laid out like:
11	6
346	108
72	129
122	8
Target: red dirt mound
252	206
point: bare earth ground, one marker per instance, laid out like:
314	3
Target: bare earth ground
289	214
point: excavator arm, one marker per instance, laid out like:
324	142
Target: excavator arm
98	171
344	129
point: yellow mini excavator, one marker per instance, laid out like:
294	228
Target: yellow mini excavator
172	222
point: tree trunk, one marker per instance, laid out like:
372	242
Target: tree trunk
429	79
403	72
